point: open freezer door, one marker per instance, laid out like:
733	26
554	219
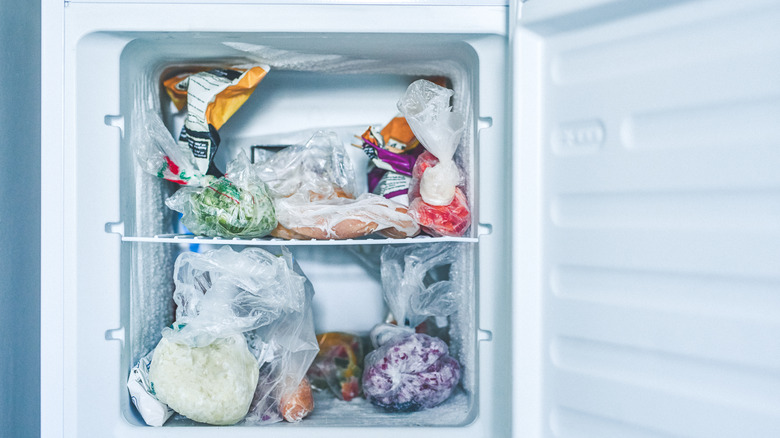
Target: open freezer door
647	214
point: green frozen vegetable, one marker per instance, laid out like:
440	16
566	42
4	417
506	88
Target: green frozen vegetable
236	205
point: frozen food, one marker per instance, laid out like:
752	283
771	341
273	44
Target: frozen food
212	384
392	153
297	404
314	189
409	373
426	107
338	366
211	97
235	205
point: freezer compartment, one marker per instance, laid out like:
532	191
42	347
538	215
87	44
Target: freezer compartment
342	83
339	82
348	298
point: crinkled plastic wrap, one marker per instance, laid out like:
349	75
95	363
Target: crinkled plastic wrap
235	205
211	384
314	188
342	218
411	371
404	270
319	169
260	295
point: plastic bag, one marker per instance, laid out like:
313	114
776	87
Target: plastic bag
211	97
410	371
428	112
318	169
338	366
260	295
392	153
211	384
153	411
451	220
236	205
342	218
406	272
314	187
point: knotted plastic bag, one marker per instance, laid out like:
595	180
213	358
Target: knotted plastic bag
411	371
235	205
427	110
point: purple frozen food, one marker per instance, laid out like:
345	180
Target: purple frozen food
410	373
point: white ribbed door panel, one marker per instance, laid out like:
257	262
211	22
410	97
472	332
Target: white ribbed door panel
647	289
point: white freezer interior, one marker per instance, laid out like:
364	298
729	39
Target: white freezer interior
126	253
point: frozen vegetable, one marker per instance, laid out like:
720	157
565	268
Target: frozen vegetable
339	365
212	384
297	404
260	296
451	220
409	373
235	205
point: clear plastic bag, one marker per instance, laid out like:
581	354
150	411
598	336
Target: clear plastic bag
342	218
260	295
235	205
338	366
413	288
314	188
411	371
218	94
427	110
318	169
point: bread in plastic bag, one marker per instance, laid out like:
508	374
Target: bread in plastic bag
211	384
342	218
314	188
262	296
235	205
411	371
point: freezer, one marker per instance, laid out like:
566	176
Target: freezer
619	272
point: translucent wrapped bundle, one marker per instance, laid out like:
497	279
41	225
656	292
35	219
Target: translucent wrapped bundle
452	220
314	188
342	218
410	371
235	205
338	366
217	95
426	107
262	298
318	169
